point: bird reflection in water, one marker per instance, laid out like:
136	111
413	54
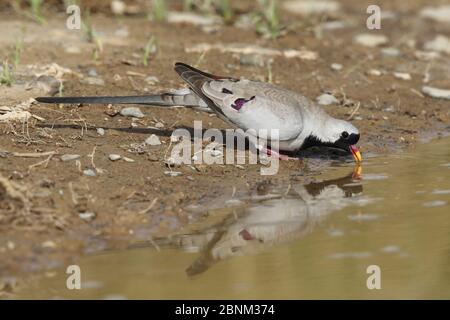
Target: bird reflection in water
258	226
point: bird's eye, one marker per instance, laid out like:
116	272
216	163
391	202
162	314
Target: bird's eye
344	134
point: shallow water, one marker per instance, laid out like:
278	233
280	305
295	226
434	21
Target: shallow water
303	241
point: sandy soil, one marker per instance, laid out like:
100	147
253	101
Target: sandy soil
41	201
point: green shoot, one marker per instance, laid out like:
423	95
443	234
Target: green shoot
149	49
6	76
267	21
92	37
225	10
159	10
36	10
17	52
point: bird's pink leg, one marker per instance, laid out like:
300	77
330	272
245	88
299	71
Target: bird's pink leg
277	155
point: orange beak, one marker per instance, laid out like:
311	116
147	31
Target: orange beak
356	154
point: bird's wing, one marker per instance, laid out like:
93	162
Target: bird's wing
247	104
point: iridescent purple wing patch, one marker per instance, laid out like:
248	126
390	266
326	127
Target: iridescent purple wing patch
238	103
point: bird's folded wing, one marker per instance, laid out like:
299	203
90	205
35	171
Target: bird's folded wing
257	106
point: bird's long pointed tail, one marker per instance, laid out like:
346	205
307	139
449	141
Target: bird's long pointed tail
164	99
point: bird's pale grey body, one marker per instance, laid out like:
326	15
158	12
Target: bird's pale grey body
252	106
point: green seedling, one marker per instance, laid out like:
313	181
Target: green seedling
150	48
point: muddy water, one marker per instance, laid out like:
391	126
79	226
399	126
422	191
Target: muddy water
300	241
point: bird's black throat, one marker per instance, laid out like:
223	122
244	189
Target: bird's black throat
342	143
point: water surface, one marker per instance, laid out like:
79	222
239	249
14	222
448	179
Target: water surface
299	241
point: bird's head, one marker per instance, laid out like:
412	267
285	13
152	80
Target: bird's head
338	134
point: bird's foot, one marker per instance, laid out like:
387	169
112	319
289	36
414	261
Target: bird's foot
272	153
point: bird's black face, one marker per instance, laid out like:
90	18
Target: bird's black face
346	140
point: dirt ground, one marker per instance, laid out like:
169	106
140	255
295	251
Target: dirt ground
51	213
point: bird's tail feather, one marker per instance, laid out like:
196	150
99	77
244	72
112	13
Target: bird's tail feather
165	99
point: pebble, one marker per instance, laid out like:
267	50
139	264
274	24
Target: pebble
363	217
402	75
336	66
255	60
333	25
192	18
128	159
374	72
151	80
89	173
326	99
70	157
390	52
172	173
92	73
311	7
118	7
438	191
159	125
436	203
390	249
440	43
131	112
153	140
436	92
100	131
87	216
122	32
93	81
438	13
48	244
114	157
371	40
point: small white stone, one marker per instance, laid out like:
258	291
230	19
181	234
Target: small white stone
336	66
159	125
131	112
311	7
118	7
440	43
114	157
402	75
128	159
89	173
374	72
100	131
87	216
326	99
70	157
371	40
439	14
153	140
391	52
172	173
436	92
93	81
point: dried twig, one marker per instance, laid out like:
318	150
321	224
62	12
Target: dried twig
43	162
354	111
152	204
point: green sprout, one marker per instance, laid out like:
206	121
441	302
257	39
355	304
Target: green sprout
159	10
267	21
225	10
36	10
6	75
17	52
149	49
92	37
